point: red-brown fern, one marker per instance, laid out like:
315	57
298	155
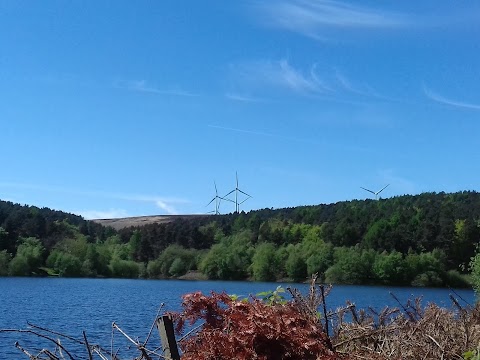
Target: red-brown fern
250	329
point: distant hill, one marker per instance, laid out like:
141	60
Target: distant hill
136	221
426	239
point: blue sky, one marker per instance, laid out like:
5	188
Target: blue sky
121	108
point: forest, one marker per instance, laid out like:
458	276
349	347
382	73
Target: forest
420	240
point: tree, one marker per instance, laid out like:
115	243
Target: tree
19	267
185	260
29	257
351	266
154	269
295	264
229	259
426	269
5	258
178	267
264	262
389	269
318	254
68	265
134	245
475	271
3	239
124	268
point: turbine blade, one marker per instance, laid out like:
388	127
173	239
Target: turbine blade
211	201
229	193
236	176
368	190
226	199
244	201
244	193
216	191
379	191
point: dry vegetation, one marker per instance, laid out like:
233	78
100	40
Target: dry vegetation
137	221
409	332
297	330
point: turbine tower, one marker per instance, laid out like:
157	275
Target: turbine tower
217	200
375	192
236	191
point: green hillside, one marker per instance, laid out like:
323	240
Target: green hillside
426	239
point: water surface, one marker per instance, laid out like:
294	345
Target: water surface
72	305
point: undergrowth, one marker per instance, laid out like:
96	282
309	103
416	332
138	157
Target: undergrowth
267	326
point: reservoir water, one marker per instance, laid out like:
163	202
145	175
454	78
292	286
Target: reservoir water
70	306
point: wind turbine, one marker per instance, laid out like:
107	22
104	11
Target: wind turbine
375	192
236	191
217	200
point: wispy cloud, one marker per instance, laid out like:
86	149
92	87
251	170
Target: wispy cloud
102	214
278	75
312	17
242	98
271	78
261	133
143	86
346	85
242	130
443	100
167	204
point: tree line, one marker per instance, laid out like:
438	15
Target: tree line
425	240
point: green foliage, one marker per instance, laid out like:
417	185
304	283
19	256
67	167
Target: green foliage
68	265
76	246
351	266
295	265
5	258
472	355
124	268
428	278
176	260
404	240
212	231
318	254
19	266
389	269
455	279
273	297
264	262
230	259
134	245
475	272
154	269
426	269
178	267
376	234
3	239
29	257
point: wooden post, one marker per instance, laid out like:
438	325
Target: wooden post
167	337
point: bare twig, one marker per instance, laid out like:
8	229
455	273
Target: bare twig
88	346
56	342
153	324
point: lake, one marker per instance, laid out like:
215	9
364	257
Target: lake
72	305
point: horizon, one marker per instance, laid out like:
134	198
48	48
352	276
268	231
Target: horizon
136	109
259	209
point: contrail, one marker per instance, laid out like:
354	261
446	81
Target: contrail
440	99
261	134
